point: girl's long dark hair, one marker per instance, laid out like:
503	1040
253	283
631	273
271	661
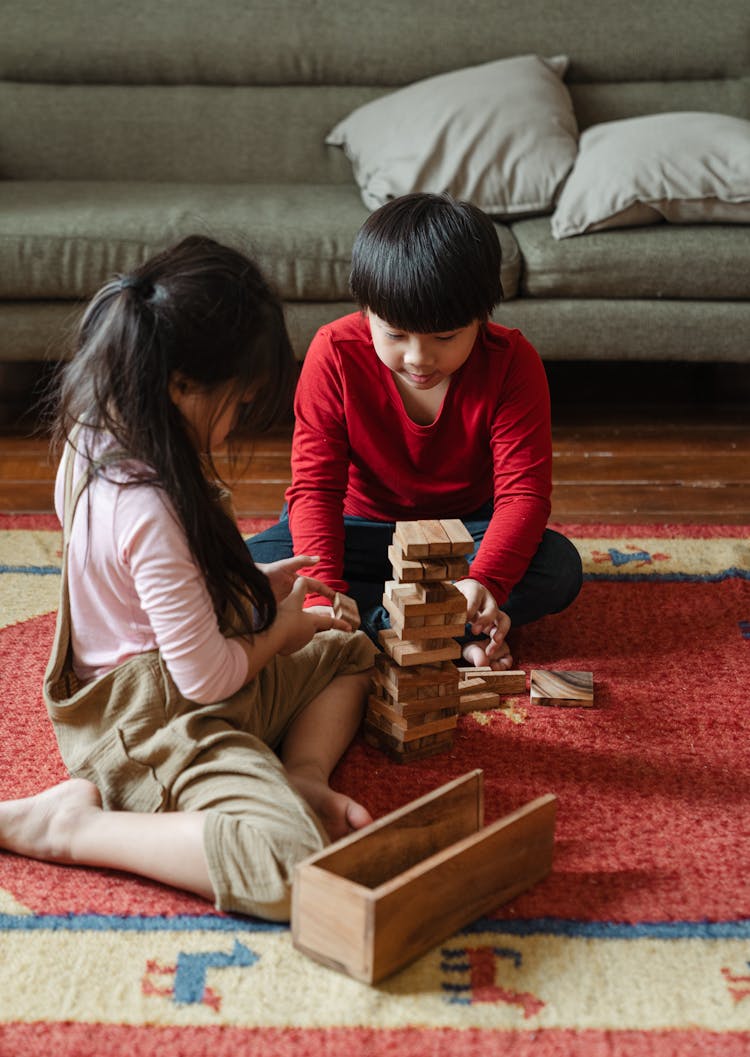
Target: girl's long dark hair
203	313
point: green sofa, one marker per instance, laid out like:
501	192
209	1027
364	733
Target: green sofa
125	127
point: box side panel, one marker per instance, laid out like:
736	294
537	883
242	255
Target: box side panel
331	922
461	884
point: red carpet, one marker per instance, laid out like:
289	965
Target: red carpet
637	943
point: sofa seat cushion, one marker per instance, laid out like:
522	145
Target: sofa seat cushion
62	240
702	261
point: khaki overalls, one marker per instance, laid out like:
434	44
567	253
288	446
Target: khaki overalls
147	748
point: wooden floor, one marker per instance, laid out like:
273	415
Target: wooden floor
625	449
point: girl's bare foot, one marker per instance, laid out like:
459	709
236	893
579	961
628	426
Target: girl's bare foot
43	826
339	814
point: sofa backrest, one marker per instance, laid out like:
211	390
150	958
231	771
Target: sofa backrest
246	90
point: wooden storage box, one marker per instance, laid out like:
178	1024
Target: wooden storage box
375	900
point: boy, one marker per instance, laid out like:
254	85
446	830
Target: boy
420	407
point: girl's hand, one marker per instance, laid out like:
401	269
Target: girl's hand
283	574
298	625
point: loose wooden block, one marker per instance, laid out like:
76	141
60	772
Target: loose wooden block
377	899
462	542
508	682
470	686
409	653
478	701
574	689
345	608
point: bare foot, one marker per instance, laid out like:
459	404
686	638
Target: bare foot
42	826
339	814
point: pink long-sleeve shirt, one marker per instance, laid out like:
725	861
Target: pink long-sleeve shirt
134	587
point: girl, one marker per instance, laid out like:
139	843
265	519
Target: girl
419	406
178	664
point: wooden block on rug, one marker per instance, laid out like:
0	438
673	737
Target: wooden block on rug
512	681
571	689
375	900
478	701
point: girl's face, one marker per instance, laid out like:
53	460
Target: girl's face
422	361
211	414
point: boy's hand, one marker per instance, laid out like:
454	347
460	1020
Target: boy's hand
485	618
482	611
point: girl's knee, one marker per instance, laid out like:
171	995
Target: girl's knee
251	863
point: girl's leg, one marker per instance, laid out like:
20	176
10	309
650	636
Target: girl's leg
315	743
66	824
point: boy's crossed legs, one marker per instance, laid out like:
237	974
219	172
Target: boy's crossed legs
549	585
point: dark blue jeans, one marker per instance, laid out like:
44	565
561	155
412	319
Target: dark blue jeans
551	582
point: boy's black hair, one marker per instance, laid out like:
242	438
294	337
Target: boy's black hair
426	263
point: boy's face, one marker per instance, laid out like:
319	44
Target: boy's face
422	361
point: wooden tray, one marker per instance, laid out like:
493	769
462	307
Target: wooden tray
375	900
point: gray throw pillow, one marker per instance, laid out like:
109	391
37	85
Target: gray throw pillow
502	135
687	168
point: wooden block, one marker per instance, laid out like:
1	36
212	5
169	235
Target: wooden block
412	698
345	608
405	752
462	542
470	686
424	599
409	653
412	540
507	682
438	708
417	633
424	569
373	901
574	689
456	568
478	701
437	539
404	731
408	681
412	710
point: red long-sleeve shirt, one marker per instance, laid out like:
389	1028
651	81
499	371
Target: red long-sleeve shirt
356	451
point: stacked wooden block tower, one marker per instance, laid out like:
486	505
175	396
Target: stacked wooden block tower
415	704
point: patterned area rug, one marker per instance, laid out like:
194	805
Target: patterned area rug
638	943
